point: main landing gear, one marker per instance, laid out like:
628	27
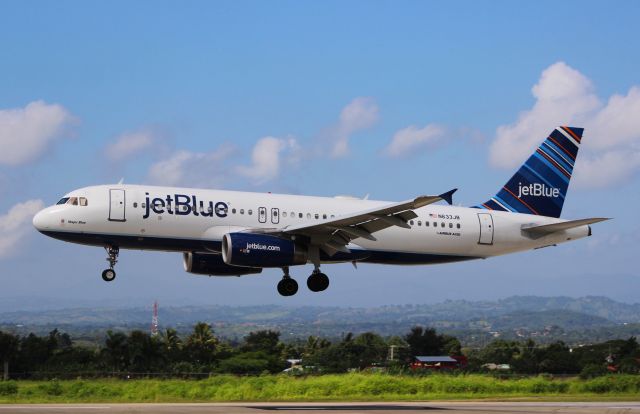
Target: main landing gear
109	274
317	282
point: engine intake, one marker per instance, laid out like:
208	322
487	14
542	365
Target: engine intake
212	264
263	250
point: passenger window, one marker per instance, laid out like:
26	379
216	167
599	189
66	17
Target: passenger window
249	212
83	201
63	200
317	216
332	216
426	224
324	216
233	210
135	205
450	225
411	222
458	225
442	224
284	214
299	215
435	224
419	223
293	214
308	215
242	211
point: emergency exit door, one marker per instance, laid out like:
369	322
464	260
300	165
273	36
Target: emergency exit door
116	205
486	228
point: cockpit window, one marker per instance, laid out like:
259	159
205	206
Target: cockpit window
63	200
83	201
73	201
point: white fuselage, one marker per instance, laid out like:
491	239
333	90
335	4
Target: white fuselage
187	220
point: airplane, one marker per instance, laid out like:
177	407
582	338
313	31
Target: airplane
231	233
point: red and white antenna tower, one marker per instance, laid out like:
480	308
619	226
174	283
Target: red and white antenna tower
154	320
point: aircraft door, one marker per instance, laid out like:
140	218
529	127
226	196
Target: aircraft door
486	228
116	205
275	215
262	214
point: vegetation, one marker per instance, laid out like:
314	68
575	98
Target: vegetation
371	387
202	353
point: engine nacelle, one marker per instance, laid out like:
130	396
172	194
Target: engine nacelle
263	250
212	264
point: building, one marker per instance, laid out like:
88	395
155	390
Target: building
439	362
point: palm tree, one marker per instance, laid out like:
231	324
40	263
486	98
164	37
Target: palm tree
201	345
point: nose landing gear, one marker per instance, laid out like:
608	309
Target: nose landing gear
108	275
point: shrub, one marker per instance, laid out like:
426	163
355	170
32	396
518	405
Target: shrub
8	388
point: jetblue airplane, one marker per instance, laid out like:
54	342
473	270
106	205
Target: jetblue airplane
230	233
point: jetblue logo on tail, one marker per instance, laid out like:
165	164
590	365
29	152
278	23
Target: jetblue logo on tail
537	190
540	185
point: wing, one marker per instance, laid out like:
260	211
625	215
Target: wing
333	235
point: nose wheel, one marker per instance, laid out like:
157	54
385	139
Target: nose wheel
108	275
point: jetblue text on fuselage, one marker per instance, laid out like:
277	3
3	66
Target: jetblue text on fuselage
183	205
537	190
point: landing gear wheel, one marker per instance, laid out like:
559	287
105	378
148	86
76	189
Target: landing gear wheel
108	275
317	282
287	287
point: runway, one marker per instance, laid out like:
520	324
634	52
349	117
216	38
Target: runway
333	408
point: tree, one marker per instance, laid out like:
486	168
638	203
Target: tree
8	351
172	345
374	349
201	345
267	341
144	352
116	351
423	341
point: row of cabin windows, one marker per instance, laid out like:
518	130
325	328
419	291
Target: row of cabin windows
250	212
74	201
284	213
435	224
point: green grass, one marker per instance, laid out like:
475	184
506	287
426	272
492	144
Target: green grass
347	387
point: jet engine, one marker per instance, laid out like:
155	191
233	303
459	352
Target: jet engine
263	250
212	264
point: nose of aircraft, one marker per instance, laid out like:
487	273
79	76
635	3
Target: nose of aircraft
41	220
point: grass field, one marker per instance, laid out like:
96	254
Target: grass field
347	387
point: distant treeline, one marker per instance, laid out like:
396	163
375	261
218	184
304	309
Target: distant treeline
201	353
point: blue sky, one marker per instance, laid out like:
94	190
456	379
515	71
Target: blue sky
258	96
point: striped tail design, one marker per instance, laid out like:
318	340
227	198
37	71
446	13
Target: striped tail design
540	185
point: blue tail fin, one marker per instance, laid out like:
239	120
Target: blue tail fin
540	185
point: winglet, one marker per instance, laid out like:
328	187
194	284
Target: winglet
448	196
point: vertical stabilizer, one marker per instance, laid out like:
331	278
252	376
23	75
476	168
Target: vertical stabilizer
540	185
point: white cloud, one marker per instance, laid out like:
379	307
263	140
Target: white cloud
610	150
16	224
358	115
26	133
266	158
129	144
198	169
407	140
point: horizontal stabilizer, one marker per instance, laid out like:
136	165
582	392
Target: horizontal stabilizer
448	196
565	225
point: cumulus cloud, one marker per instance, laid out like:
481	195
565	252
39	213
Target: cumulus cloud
266	158
16	224
408	139
358	115
610	150
26	133
129	144
198	169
